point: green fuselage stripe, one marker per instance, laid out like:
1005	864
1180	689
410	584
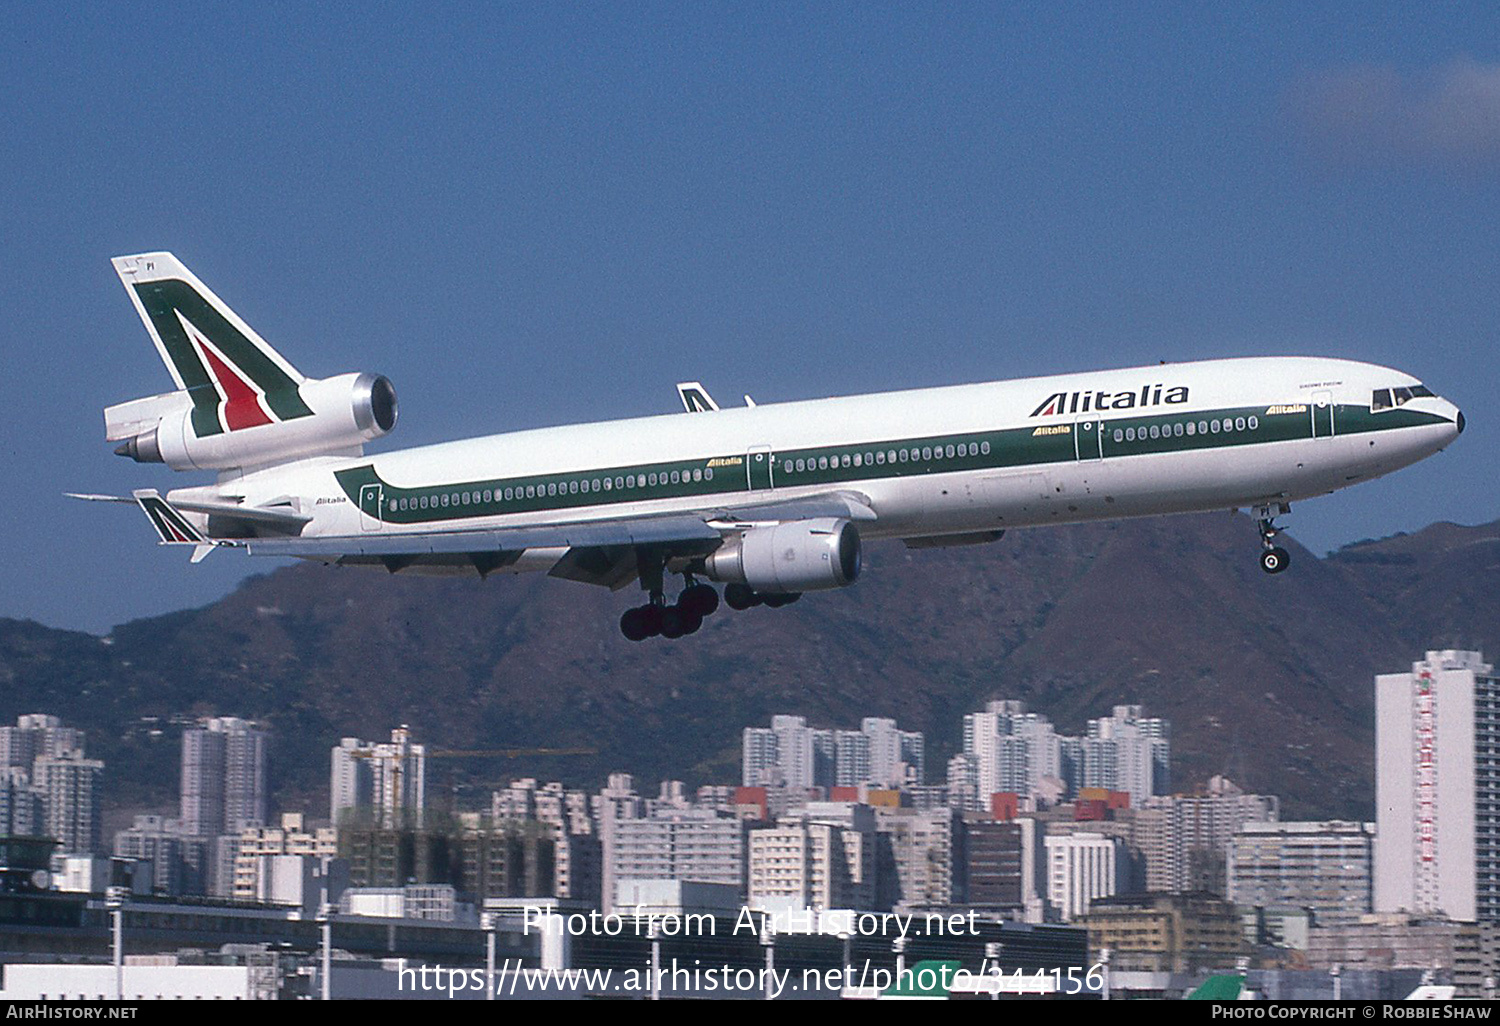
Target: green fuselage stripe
1052	441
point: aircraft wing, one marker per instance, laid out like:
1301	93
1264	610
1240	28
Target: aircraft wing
603	552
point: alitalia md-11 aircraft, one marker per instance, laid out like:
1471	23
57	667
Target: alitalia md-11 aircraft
771	500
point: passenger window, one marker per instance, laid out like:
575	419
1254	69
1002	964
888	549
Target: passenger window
948	452
1155	431
845	460
1254	423
859	460
1213	426
1177	429
708	474
1203	427
1239	423
607	484
984	448
1192	429
1119	435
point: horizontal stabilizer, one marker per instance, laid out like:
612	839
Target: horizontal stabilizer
250	514
86	497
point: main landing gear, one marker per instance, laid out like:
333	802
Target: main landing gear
1273	558
696	601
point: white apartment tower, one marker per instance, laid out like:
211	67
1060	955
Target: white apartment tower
389	779
1127	751
1080	868
1008	749
1437	788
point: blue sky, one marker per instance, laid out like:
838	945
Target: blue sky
534	214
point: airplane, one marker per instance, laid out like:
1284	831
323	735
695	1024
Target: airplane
770	500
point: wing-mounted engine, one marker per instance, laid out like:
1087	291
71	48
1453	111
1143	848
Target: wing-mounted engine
239	403
342	413
801	555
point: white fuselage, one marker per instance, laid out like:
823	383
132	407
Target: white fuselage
1171	438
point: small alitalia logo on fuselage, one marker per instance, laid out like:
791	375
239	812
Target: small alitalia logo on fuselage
1062	403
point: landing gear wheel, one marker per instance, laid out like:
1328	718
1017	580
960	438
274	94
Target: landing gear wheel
691	621
699	598
740	596
633	624
1274	560
672	622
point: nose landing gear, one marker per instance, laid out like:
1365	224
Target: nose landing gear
1273	558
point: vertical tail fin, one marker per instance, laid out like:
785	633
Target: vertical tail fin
234	377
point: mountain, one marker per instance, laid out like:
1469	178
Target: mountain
1266	679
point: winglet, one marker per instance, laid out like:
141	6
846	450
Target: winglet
695	398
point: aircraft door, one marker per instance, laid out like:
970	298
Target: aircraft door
1322	415
760	468
1089	436
370	497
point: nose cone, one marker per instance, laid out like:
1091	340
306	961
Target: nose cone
1460	422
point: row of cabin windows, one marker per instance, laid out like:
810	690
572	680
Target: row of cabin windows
1178	430
800	465
623	482
926	453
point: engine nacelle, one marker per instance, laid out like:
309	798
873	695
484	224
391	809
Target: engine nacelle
324	417
807	555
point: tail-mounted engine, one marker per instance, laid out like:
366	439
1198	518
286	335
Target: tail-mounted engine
223	428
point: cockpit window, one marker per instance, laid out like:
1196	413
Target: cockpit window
1387	398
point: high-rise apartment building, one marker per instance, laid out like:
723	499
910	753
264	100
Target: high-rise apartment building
821	857
69	788
224	787
1128	752
381	784
1006	748
704	845
1080	868
1322	866
47	787
792	755
1437	788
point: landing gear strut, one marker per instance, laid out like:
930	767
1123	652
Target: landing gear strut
1273	558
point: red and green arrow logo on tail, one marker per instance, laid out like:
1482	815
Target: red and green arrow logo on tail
233	383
